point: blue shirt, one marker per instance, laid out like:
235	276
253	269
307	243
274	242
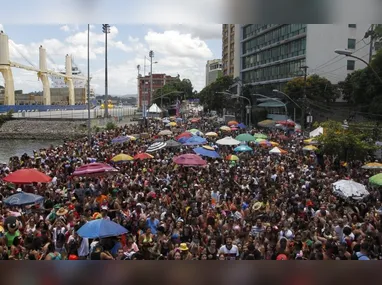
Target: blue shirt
152	225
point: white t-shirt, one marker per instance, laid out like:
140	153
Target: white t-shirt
230	254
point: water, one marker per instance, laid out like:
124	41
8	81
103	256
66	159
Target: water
18	147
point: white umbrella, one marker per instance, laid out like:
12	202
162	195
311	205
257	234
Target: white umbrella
156	146
275	150
165	133
350	189
228	141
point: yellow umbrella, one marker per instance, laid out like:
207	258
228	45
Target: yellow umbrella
225	128
372	165
122	157
172	124
211	134
274	143
132	138
208	147
310	147
310	141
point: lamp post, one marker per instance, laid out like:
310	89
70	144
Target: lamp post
278	91
88	91
349	53
273	99
248	108
106	30
151	55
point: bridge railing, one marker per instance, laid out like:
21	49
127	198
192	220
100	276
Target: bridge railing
40	108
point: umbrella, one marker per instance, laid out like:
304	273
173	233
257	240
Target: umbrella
232	157
264	143
234	129
27	176
242	148
277	150
372	165
132	138
179	119
165	120
189	160
172	124
182	140
195	132
143	156
225	128
309	148
156	146
23	198
211	134
195	120
208	147
195	141
241	126
287	123
205	152
376	179
165	133
274	143
260	136
232	123
245	138
283	137
228	141
95	168
183	135
260	140
172	143
122	158
120	140
267	124
310	141
101	228
350	189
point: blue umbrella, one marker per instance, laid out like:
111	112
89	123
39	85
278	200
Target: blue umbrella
101	228
179	119
241	126
205	152
23	198
120	140
195	140
242	148
182	140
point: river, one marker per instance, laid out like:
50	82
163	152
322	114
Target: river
10	148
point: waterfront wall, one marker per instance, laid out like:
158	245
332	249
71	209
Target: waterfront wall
43	129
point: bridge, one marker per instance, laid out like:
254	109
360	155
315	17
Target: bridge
42	72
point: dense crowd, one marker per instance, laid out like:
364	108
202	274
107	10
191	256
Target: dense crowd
260	207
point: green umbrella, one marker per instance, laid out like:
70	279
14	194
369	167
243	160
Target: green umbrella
245	138
376	179
260	136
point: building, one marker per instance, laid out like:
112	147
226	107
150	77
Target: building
213	70
231	50
273	54
159	80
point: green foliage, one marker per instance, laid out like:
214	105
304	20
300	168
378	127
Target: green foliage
111	126
352	143
211	99
184	86
6	117
317	89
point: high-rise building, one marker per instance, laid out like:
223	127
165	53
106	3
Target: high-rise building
213	70
231	50
159	80
273	54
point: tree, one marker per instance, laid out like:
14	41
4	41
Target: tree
349	143
210	96
184	86
317	89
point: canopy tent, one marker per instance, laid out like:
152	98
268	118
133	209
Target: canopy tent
154	109
317	132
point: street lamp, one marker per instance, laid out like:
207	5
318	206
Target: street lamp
151	55
145	65
294	113
249	107
349	53
106	30
274	99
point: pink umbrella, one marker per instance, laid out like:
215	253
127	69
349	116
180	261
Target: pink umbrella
189	160
94	169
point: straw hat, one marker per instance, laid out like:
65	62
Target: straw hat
257	206
61	212
183	247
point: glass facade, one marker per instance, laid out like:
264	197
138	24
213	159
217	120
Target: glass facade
272	52
351	43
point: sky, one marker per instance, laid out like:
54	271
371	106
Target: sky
178	49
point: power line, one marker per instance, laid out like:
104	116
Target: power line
331	71
21	54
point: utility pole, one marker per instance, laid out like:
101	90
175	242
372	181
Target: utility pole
151	55
106	30
88	90
371	34
303	109
139	97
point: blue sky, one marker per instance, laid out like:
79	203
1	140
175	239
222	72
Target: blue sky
179	49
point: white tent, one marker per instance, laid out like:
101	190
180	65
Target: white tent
154	109
228	141
317	132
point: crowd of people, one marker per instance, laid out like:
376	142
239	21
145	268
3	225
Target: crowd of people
260	207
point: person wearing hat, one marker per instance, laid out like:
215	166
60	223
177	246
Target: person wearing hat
184	251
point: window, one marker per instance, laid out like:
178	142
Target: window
351	43
352	26
351	65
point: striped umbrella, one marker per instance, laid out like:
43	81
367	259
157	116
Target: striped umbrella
156	146
232	157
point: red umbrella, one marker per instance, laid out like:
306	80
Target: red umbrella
195	120
143	156
288	123
182	135
94	169
26	176
189	160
